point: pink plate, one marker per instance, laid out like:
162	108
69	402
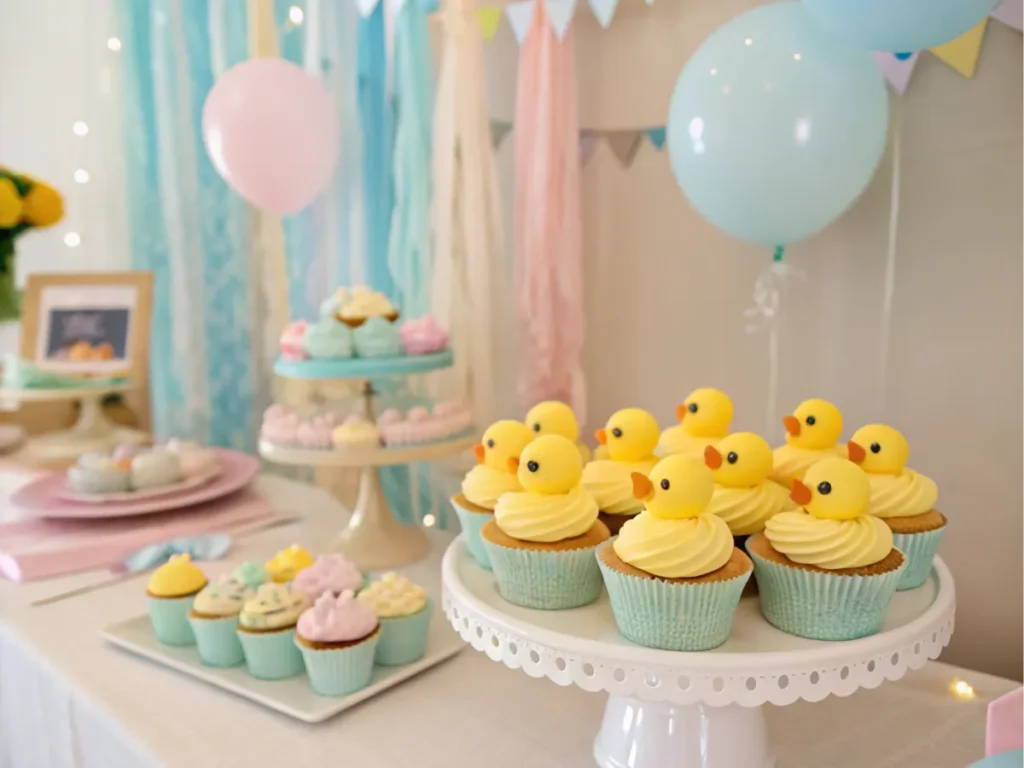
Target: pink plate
67	493
40	497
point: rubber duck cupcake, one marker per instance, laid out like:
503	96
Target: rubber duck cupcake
542	540
812	433
553	417
214	621
902	498
404	611
704	419
631	436
494	474
288	563
328	339
673	574
169	595
328	573
338	638
828	571
266	630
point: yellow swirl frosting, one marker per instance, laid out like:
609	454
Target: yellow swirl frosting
677	548
791	463
904	495
176	578
746	510
484	485
611	485
534	517
829	544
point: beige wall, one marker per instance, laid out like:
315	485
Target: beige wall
666	291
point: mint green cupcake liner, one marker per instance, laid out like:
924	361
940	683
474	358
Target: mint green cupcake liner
823	606
271	655
169	616
339	671
673	616
217	641
472	523
551	580
403	639
919	549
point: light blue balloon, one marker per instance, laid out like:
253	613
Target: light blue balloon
775	126
899	25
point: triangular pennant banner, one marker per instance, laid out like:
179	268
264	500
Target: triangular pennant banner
624	144
499	130
896	70
656	136
366	7
962	54
488	20
519	16
604	10
588	143
1011	13
560	13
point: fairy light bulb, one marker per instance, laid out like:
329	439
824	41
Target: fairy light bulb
79	128
429	520
82	176
72	239
295	15
963	690
114	44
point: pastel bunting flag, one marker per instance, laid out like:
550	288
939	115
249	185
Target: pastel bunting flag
1010	13
588	143
604	10
656	136
488	20
896	69
962	54
560	14
624	144
519	15
499	130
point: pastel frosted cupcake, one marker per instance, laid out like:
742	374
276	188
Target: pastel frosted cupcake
361	304
423	336
288	563
377	337
315	433
291	341
812	434
328	573
404	612
155	469
98	473
194	459
337	639
355	432
673	574
902	498
631	436
266	630
704	419
251	574
169	595
327	339
542	540
497	455
829	571
214	621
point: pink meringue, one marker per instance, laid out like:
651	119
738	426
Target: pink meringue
291	341
314	433
421	426
328	573
390	416
418	414
422	336
337	619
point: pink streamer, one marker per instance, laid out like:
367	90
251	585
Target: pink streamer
548	217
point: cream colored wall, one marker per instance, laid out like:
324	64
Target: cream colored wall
666	291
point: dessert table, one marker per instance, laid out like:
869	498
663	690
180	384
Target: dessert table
69	699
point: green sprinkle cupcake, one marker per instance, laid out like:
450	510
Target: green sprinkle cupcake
266	630
169	596
404	611
214	621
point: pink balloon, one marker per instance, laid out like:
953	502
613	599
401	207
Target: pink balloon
271	133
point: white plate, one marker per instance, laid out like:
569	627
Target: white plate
67	493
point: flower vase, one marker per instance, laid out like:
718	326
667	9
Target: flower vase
10	296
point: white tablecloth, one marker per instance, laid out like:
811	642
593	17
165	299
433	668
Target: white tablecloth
68	699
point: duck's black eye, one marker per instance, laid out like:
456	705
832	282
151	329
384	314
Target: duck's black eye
665	484
490	443
533	466
536	427
875	448
617	432
692	407
732	458
811	421
825	488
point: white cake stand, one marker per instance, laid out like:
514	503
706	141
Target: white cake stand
691	710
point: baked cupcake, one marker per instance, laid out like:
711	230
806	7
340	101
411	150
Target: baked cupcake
704	419
251	574
827	572
404	612
553	417
331	306
328	573
361	304
356	432
288	563
214	621
494	474
155	469
542	540
812	434
328	339
194	459
169	595
902	498
291	341
315	433
377	337
337	638
266	630
98	473
673	574
631	436
423	336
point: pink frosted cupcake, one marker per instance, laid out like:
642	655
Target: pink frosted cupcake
423	336
314	433
291	341
283	430
338	639
328	573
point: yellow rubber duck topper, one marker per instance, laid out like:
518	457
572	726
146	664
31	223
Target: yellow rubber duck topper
879	450
706	412
833	489
630	435
553	417
549	465
678	487
501	442
815	425
741	460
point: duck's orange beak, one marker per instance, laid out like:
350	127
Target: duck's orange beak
602	437
792	425
479	452
125	464
681	411
857	452
800	493
513	464
712	457
643	488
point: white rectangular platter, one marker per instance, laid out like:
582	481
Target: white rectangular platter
291	697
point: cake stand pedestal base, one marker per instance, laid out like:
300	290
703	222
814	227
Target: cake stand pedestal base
92	432
374	540
644	734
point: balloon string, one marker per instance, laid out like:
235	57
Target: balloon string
773	357
890	260
779	251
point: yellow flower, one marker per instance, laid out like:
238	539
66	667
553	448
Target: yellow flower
43	205
10	204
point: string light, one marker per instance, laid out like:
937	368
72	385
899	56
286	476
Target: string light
82	176
962	690
114	44
295	15
72	239
797	57
429	520
79	128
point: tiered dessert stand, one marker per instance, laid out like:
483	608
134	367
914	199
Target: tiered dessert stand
373	539
691	710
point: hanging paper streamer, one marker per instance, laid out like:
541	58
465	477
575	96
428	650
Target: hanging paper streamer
548	241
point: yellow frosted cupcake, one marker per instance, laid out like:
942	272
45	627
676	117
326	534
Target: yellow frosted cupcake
553	417
812	434
404	610
704	419
169	595
286	564
744	497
